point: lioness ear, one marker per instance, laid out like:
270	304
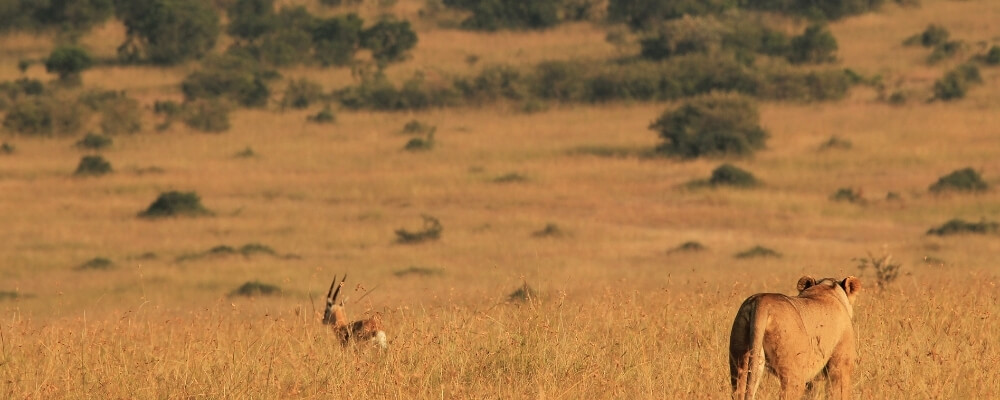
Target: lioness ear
805	282
851	285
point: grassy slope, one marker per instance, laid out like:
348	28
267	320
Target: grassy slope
618	317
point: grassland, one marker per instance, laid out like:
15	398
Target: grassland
617	314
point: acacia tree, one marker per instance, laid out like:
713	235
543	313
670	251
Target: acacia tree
167	31
389	40
68	62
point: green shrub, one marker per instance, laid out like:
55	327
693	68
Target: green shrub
68	61
431	231
932	36
687	247
167	31
818	9
72	17
420	144
246	153
959	226
7	148
492	15
336	39
815	45
730	175
97	263
93	166
256	288
380	94
682	36
13	91
233	77
417	127
645	13
944	51
847	194
711	125
758	251
955	83
45	116
389	40
992	56
174	204
324	116
961	180
301	94
207	115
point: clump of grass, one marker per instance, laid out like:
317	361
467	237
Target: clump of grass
94	141
836	143
727	175
93	166
98	263
886	271
758	252
7	148
893	196
418	128
246	153
961	180
431	231
960	226
256	288
418	271
550	230
687	247
849	195
604	151
512	177
523	293
248	250
174	204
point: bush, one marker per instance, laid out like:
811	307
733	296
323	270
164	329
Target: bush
992	56
233	77
712	125
432	231
417	127
961	180
93	166
959	226
682	36
886	271
389	40
687	247
836	142
174	204
955	83
492	15
420	271
730	175
550	230
944	51
167	31
847	194
758	251
324	116
68	61
815	45
301	94
97	263
207	115
119	113
336	39
640	14
420	144
13	91
69	16
7	148
932	36
523	293
820	9
256	288
44	116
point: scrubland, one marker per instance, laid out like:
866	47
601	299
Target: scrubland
614	314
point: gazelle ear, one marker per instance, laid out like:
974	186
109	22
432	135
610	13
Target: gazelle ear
851	285
805	282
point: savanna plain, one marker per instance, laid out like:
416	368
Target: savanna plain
559	271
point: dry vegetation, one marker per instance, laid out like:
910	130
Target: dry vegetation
617	314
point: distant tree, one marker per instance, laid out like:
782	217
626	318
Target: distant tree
167	31
389	40
68	62
642	14
251	19
73	16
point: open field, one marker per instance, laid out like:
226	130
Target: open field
617	314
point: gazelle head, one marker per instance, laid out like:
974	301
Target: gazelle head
369	329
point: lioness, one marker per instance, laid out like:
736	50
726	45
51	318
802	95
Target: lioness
796	337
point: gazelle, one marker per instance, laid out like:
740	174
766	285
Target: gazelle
356	331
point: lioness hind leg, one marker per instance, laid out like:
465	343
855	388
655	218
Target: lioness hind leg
839	371
792	390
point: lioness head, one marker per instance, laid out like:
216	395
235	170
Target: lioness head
850	285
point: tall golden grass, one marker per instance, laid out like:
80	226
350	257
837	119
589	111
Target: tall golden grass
617	315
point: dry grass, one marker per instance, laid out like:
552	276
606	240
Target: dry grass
617	317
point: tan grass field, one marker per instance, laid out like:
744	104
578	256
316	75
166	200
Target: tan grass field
617	315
